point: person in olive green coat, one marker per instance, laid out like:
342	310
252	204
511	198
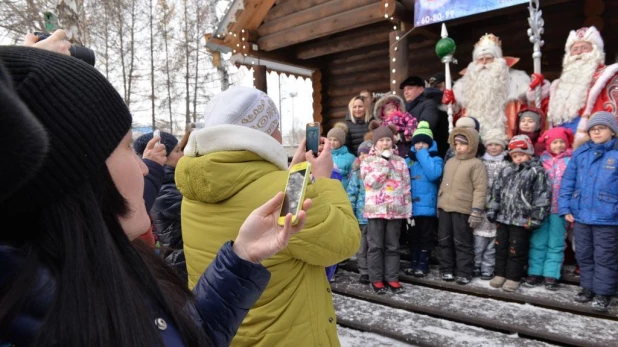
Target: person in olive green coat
231	166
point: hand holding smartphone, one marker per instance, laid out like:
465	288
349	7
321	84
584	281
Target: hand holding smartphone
298	179
157	133
313	138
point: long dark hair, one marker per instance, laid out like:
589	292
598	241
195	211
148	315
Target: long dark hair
106	291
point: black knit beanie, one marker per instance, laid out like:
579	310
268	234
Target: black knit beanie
23	143
83	115
167	139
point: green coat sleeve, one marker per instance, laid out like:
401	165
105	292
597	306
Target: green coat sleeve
331	233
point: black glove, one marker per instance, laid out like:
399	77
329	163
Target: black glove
491	216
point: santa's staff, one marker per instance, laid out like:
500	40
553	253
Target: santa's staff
534	32
445	48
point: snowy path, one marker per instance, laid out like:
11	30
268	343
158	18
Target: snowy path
415	328
562	299
354	338
525	319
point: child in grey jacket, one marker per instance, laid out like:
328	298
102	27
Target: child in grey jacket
520	202
485	234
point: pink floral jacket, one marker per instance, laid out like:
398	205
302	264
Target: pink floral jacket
555	167
387	187
404	122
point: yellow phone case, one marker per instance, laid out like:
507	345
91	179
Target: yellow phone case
294	203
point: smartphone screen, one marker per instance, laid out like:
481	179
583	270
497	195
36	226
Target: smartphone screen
293	193
313	139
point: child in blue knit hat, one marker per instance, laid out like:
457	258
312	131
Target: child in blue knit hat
589	198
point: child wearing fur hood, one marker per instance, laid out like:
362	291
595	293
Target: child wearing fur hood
391	109
530	123
461	201
387	205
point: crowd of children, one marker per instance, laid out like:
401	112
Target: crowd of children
501	209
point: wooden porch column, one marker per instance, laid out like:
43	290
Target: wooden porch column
398	58
259	78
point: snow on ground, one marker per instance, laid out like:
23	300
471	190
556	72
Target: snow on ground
421	329
354	338
504	314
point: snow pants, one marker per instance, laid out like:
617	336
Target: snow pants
420	237
512	243
455	244
361	255
383	249
485	253
547	248
597	256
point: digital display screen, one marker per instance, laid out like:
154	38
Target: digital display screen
435	11
313	139
293	193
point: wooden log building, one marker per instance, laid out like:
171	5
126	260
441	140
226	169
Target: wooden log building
346	46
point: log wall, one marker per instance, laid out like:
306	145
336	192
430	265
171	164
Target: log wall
350	60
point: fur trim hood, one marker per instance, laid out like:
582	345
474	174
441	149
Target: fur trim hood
377	111
473	141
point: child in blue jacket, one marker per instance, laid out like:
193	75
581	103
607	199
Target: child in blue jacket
589	197
425	171
342	158
356	194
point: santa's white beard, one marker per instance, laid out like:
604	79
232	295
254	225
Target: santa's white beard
572	89
486	93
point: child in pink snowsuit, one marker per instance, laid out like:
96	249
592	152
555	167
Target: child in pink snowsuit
390	109
547	242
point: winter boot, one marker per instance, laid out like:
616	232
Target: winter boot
395	287
463	280
584	296
378	287
551	283
363	279
600	303
533	281
414	253
510	286
497	282
476	272
422	268
486	276
447	276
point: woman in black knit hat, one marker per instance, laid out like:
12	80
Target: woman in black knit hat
73	273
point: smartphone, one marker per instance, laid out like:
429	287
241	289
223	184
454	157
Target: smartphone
298	179
157	133
313	138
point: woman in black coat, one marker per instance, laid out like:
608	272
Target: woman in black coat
357	120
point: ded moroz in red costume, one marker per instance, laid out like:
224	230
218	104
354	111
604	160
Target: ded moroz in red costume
586	85
490	90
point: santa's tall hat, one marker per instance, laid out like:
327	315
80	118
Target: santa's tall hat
588	34
488	44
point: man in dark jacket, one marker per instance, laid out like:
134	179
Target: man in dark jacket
434	92
165	212
418	104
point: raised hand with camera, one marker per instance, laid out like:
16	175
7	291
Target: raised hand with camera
56	42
